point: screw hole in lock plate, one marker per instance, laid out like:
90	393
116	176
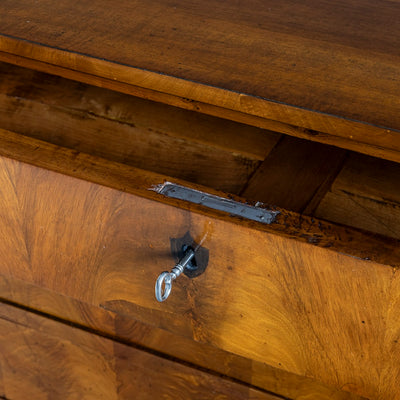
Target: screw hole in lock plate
198	263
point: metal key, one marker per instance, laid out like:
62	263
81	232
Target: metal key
165	279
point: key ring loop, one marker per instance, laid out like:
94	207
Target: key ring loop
166	279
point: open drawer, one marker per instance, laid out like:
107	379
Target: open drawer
312	292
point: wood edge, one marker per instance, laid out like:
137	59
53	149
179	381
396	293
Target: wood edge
325	187
37	323
72	312
355	243
255	149
225	101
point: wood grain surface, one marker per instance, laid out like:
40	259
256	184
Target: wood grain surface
135	181
24	88
183	144
298	307
51	360
366	194
318	65
150	336
217	153
295	175
346	142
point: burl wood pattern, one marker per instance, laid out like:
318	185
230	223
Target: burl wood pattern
44	359
133	331
125	178
297	307
323	70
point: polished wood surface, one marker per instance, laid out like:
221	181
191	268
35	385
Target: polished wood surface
135	332
298	307
135	181
330	68
199	94
49	359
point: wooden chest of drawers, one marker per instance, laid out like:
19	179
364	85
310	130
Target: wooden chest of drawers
286	109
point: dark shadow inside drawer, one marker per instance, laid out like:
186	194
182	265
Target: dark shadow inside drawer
259	165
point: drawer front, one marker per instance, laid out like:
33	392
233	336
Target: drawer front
51	360
300	308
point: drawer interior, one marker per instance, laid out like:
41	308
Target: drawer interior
309	178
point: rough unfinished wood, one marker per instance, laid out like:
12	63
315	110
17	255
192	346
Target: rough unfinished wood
366	194
346	142
298	307
220	154
48	359
20	84
306	67
295	174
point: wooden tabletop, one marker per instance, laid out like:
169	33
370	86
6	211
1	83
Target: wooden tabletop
330	67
